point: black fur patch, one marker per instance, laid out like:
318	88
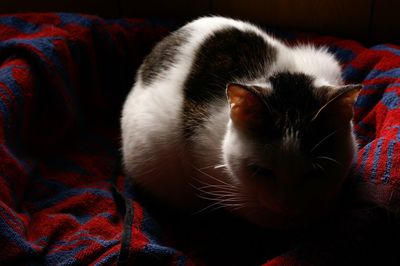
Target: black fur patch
162	56
226	56
293	103
292	97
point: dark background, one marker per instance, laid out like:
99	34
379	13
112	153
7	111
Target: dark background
368	20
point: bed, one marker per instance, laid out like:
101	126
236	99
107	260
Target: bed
65	201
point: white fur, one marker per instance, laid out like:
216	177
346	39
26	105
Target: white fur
310	60
318	63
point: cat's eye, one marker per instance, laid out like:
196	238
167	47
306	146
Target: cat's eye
260	171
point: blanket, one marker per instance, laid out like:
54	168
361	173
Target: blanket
65	201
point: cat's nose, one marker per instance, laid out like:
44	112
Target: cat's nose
284	207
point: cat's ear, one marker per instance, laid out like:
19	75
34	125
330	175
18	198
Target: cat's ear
247	107
341	101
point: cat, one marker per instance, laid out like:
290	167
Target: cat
224	115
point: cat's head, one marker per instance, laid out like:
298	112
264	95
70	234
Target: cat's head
289	146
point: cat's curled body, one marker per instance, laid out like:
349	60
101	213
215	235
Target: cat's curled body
223	114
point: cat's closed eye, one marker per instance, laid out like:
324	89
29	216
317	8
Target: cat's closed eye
259	172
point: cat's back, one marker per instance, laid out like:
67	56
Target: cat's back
178	54
193	64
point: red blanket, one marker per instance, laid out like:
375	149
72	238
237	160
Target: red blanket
63	78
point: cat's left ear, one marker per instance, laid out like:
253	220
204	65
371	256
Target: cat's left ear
247	107
342	100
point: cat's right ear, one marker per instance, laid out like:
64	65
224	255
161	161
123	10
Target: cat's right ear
341	101
247	107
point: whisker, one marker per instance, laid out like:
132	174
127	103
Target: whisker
239	208
205	208
208	198
217	208
233	205
329	159
217	166
220	194
220	204
324	106
321	141
317	165
233	201
220	186
227	206
225	188
212	177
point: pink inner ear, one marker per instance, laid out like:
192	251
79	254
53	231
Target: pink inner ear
236	94
246	106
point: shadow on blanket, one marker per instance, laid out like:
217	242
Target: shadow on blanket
63	78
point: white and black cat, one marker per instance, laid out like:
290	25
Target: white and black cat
224	115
